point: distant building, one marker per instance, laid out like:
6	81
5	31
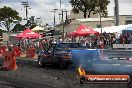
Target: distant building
93	21
124	19
90	22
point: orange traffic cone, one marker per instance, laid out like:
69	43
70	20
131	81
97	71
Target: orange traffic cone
13	64
17	51
9	61
5	63
31	52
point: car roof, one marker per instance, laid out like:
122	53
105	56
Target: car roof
69	42
66	43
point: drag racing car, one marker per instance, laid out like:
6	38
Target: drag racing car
59	54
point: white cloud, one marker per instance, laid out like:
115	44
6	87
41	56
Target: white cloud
42	8
124	7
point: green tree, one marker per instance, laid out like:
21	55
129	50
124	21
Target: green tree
7	16
89	6
18	27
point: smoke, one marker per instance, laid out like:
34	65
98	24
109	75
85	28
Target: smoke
91	61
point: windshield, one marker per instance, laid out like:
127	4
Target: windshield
68	45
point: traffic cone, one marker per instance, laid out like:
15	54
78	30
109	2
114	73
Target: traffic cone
13	64
5	63
32	52
17	51
9	61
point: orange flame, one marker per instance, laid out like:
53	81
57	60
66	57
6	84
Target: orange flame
81	71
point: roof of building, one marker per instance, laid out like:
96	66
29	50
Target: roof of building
95	19
112	29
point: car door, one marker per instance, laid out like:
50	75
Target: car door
52	54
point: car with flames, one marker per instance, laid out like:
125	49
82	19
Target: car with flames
58	53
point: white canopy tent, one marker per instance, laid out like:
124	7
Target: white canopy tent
37	28
113	29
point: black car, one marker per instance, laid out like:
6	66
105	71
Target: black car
59	53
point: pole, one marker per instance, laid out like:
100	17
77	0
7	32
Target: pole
116	12
54	19
54	11
26	11
101	24
66	15
63	26
100	21
26	6
60	4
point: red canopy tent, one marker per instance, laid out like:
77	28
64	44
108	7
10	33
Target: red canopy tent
84	31
28	34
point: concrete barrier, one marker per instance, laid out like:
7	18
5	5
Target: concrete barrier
122	46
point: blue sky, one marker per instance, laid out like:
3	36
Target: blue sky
42	8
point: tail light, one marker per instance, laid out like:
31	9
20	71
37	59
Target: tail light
67	56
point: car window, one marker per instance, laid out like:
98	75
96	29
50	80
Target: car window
75	45
68	45
51	49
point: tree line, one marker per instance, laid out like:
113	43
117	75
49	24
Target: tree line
89	7
8	17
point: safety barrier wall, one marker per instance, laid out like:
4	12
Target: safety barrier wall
120	54
122	46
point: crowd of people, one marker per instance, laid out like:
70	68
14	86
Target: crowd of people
106	40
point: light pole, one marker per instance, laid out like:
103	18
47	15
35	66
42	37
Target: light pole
54	11
116	12
63	26
100	20
60	4
26	6
63	22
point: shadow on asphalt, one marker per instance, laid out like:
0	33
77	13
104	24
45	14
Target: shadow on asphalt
49	66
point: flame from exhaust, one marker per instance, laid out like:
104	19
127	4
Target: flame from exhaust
81	71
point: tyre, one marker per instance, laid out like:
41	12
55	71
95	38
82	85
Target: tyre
40	62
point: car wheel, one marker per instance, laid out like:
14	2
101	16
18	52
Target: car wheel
40	62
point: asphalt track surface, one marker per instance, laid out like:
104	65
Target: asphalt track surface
29	75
